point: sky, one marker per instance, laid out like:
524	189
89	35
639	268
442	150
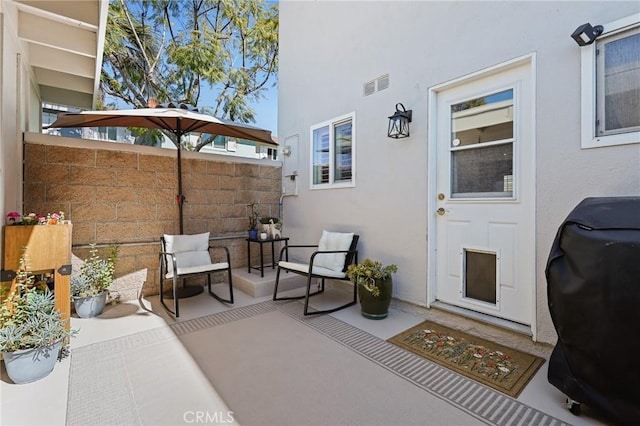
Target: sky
267	111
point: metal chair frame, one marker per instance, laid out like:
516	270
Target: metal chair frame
350	258
164	270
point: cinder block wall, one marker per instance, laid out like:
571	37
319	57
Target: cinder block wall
125	195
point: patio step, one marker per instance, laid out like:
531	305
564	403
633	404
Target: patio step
256	286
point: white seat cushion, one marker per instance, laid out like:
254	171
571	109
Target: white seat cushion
317	270
333	241
211	267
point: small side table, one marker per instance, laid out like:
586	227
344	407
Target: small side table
273	255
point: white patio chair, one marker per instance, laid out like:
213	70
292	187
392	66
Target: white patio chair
188	256
336	251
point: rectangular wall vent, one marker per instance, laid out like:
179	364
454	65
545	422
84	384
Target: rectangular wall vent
376	85
383	82
370	88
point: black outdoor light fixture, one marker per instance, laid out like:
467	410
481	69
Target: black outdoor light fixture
585	34
399	123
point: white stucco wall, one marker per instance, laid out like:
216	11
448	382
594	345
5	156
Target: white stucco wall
328	50
19	108
11	158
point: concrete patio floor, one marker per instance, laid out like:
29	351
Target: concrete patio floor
45	402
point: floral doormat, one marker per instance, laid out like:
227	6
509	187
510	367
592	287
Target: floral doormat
504	369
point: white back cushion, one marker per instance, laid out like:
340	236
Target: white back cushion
190	250
333	241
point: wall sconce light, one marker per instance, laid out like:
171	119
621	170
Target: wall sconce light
399	123
286	151
585	34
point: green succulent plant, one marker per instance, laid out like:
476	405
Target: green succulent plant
28	318
96	274
366	273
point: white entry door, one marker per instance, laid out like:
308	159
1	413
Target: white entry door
484	208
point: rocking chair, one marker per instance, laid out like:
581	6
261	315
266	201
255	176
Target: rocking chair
336	251
186	256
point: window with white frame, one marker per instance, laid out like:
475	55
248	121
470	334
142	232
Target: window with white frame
332	153
611	86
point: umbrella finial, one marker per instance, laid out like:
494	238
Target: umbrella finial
180	105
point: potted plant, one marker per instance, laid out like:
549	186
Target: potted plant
271	225
90	287
374	287
253	219
32	331
264	221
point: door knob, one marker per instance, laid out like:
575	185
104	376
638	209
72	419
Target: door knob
440	211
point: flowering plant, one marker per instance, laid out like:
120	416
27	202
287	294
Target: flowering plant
15	218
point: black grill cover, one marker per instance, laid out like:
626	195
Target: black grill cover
593	288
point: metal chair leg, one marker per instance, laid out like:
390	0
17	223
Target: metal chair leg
306	299
162	302
221	299
230	285
175	295
328	311
275	288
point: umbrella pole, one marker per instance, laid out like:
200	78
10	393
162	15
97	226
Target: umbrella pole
180	198
185	290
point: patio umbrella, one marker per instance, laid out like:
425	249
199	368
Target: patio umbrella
178	120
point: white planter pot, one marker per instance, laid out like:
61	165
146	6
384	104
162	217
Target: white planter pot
29	365
89	307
